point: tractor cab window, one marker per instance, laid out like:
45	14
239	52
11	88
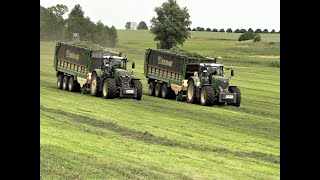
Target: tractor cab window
215	70
117	63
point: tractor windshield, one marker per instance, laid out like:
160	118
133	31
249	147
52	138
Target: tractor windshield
119	63
215	70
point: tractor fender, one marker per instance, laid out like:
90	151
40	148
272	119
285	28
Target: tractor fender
135	79
196	80
98	72
197	83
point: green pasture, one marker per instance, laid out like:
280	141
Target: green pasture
86	137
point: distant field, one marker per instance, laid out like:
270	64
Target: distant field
85	137
145	34
231	36
225	45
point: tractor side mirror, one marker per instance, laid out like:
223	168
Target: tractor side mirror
133	64
232	72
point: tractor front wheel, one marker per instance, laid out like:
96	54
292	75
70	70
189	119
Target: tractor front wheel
138	85
235	89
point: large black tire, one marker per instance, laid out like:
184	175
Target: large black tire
207	96
151	88
59	81
165	91
65	82
72	84
138	85
157	91
109	88
191	92
94	85
235	89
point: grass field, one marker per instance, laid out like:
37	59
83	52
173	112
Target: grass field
225	45
85	137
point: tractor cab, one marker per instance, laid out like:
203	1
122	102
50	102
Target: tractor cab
114	62
209	69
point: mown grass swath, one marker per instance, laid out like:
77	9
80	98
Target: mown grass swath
88	137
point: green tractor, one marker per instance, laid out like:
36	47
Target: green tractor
97	71
185	75
113	80
211	86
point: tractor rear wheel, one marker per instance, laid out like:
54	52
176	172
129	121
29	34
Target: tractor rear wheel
151	88
157	92
138	85
59	81
207	96
191	92
109	88
65	82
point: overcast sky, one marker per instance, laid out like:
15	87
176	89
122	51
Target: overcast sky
263	14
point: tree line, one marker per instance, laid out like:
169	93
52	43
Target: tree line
229	30
54	27
132	25
143	25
